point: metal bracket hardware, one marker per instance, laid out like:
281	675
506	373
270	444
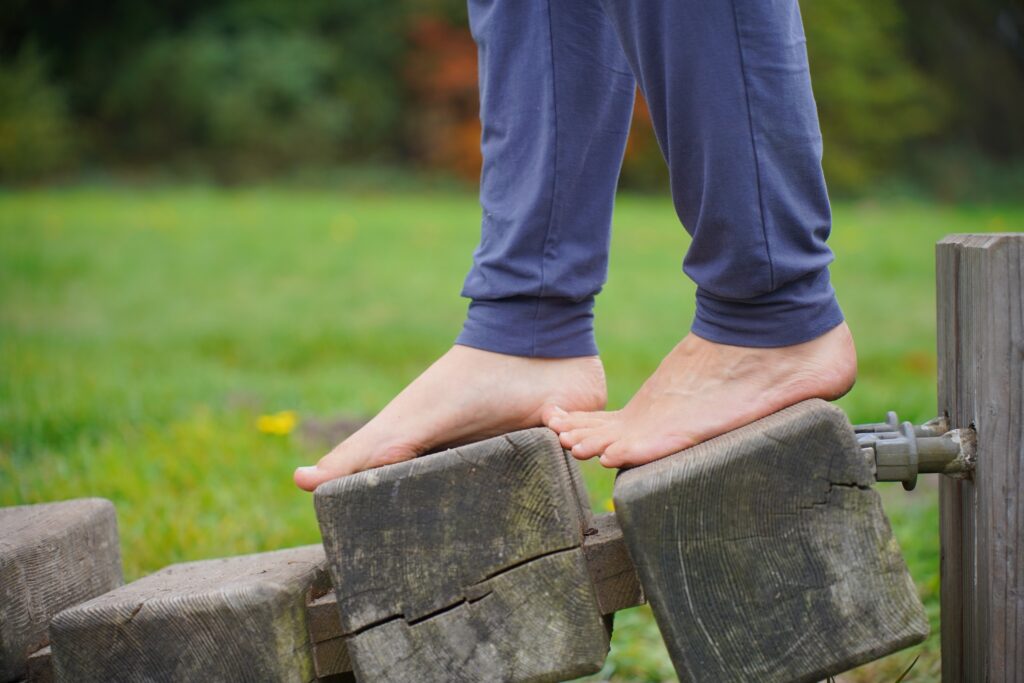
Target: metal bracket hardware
899	451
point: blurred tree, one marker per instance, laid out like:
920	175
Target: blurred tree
975	50
35	132
255	87
247	103
440	72
873	102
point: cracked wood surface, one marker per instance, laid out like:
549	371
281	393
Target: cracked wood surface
462	557
509	633
233	619
980	301
765	554
611	571
52	556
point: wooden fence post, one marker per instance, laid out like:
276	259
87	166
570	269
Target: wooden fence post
980	301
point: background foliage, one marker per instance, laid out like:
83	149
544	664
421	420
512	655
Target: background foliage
179	346
243	89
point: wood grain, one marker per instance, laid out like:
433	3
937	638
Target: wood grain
611	569
322	616
52	556
331	658
439	562
235	619
534	622
980	330
765	554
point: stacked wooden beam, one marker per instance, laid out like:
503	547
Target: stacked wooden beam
52	556
764	553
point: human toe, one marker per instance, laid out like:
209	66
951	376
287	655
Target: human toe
592	445
572	437
308	478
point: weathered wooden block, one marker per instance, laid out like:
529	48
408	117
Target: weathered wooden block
39	668
465	565
765	554
331	660
611	569
235	619
52	556
330	651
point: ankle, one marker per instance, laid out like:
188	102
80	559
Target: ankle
827	366
581	385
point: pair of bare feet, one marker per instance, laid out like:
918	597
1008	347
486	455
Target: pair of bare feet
700	390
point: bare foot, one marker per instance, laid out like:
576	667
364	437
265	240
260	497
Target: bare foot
703	389
467	395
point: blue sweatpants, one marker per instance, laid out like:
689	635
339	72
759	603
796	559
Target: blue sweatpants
729	92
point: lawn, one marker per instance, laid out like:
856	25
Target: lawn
145	332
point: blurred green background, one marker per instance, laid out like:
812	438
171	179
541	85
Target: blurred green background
213	221
925	93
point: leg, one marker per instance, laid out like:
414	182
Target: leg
730	97
556	97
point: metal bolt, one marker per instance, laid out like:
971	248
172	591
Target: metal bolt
900	450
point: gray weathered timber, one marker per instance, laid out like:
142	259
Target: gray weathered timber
508	632
322	616
611	571
611	568
52	556
235	619
765	554
40	667
465	563
330	651
330	658
980	299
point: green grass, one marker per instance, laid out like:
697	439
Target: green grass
142	333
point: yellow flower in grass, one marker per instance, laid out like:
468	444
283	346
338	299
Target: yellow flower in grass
609	505
278	424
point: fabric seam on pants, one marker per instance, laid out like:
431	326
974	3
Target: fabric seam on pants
753	148
554	176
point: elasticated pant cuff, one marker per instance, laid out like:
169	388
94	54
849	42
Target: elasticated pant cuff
531	326
798	312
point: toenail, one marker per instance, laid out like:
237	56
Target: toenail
309	469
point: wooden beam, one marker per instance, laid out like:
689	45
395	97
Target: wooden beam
322	617
611	571
331	658
238	618
766	555
52	556
40	667
466	565
980	330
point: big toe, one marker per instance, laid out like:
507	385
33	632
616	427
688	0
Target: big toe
342	462
308	478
